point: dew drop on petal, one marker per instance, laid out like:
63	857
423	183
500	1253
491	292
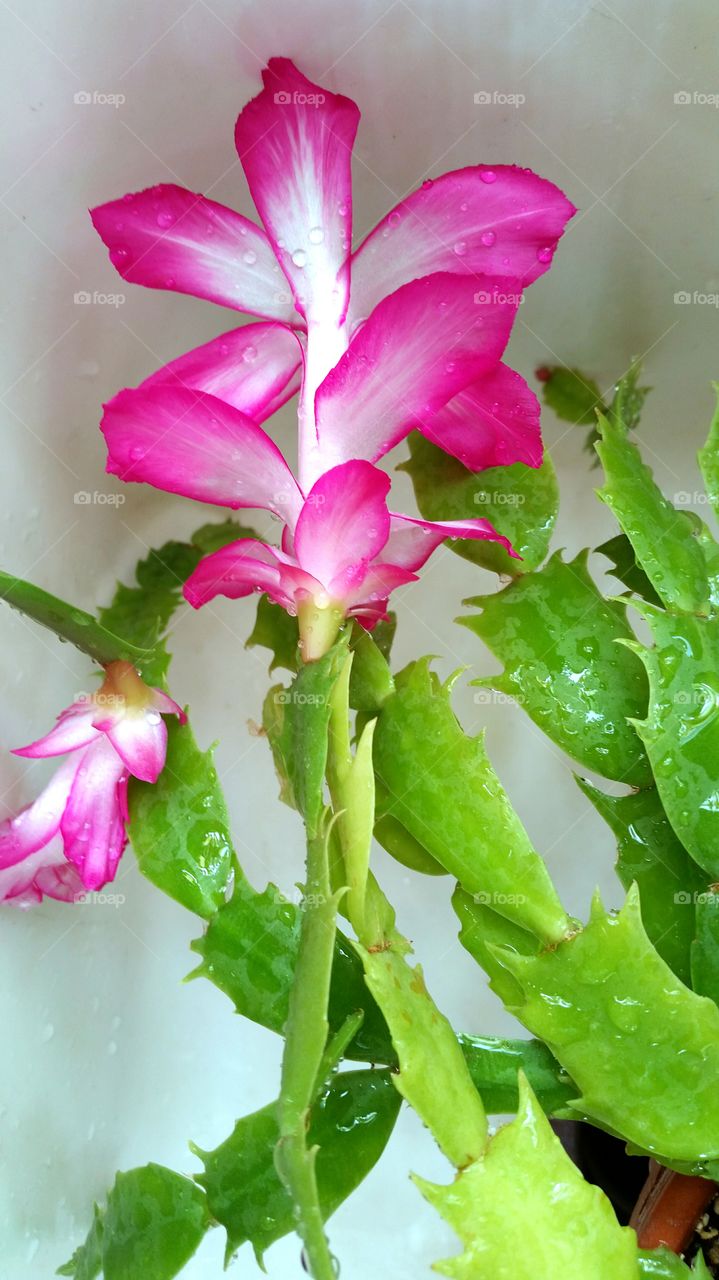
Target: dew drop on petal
165	219
488	238
394	218
299	257
460	248
316	235
544	255
136	453
488	175
249	354
250	257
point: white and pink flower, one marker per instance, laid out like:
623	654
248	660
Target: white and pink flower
70	839
407	332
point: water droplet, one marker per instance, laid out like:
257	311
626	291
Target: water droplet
250	257
488	175
136	453
299	257
249	354
460	248
488	238
317	235
544	255
394	218
165	219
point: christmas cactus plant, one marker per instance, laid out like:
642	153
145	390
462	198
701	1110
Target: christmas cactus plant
399	338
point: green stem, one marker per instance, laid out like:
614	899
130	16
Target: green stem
304	1056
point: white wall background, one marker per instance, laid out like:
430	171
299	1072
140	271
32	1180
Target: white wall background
108	1060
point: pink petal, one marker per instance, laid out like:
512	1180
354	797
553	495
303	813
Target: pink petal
295	142
166	705
191	443
419	348
46	871
73	729
235	571
411	542
141	743
169	238
253	368
492	423
36	825
93	825
369	597
503	221
343	524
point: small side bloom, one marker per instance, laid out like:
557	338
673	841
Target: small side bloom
72	837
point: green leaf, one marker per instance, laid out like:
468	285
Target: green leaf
86	1261
68	623
557	637
628	400
350	1125
296	720
621	553
482	931
444	1097
650	855
444	791
681	729
153	1223
217	534
179	826
642	1048
275	630
709	457
520	502
250	950
662	1264
494	1063
662	537
371	680
572	395
524	1211
705	950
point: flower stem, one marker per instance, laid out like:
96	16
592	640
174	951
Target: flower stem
303	1064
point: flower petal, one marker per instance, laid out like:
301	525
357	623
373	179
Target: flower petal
343	524
45	872
141	743
503	221
411	542
252	368
295	142
492	423
370	596
73	729
169	238
235	571
419	348
36	825
191	443
93	824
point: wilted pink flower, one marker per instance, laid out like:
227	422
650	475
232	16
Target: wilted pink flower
70	839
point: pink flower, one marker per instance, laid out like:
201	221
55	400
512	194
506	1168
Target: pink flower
70	839
405	333
417	317
341	558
